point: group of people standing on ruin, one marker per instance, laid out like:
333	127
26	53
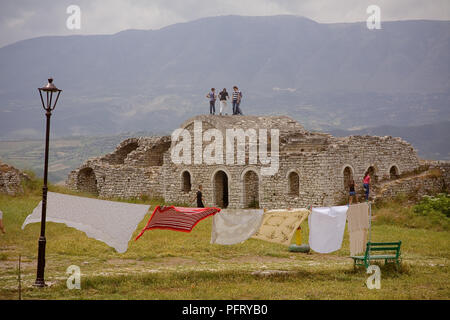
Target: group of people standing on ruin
352	188
236	98
223	96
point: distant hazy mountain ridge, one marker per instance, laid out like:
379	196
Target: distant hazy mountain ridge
326	76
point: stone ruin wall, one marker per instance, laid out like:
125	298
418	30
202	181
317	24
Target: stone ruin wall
133	170
444	167
244	189
316	162
321	173
414	187
361	154
434	179
312	172
11	180
109	181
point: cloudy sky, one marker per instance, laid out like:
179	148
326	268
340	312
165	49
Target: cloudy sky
23	19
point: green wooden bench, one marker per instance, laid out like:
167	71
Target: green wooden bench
387	251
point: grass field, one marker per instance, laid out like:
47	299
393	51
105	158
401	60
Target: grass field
175	265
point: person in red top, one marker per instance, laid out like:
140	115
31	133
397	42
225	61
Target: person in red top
366	184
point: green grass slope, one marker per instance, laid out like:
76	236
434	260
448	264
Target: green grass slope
175	265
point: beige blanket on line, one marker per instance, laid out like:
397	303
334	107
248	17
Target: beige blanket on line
358	224
279	225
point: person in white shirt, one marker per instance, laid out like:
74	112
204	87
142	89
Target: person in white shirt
223	97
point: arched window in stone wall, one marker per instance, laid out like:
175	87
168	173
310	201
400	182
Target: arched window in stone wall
393	172
186	185
348	176
293	184
251	189
220	184
373	174
87	181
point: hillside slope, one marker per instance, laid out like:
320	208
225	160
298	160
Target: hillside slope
324	75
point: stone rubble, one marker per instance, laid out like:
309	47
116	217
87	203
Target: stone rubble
11	180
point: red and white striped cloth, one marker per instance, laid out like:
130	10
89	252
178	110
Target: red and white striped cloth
177	218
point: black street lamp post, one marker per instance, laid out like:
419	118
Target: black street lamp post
47	93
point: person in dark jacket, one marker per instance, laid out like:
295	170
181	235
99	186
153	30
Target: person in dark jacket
223	97
199	197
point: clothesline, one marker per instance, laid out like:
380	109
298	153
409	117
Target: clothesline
115	222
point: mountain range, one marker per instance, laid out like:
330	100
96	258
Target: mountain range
326	76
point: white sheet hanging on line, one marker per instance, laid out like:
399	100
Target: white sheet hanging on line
108	221
232	226
326	228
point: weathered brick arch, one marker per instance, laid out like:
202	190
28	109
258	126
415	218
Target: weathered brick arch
293	183
119	156
221	182
186	181
251	191
373	170
347	173
87	181
393	172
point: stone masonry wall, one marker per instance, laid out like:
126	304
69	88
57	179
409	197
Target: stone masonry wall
359	153
119	182
320	170
134	169
444	166
428	183
319	160
10	180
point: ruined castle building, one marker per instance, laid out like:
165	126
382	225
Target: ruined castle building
313	168
11	180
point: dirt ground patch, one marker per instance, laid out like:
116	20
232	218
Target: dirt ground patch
166	261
